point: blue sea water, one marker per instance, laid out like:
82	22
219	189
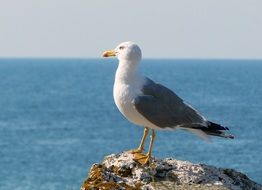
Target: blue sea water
57	117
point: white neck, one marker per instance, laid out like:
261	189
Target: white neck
126	71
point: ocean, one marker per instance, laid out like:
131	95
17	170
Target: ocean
58	117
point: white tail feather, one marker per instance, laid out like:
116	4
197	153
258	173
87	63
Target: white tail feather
200	134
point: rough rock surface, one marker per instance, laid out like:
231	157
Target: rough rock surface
120	171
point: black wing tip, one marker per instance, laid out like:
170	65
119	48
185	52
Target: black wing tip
216	126
217	130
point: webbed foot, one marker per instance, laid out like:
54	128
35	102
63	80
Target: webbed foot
143	159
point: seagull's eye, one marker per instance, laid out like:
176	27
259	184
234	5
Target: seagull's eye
121	47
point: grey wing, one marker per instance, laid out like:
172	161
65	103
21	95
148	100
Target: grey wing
164	108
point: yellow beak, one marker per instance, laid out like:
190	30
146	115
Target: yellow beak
109	53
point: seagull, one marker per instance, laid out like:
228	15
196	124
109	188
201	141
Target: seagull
152	105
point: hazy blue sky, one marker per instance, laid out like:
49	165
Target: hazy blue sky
166	28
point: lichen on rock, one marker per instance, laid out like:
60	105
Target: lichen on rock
120	171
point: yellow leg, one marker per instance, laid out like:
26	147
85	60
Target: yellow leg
140	149
144	159
153	136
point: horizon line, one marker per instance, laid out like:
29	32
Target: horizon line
145	58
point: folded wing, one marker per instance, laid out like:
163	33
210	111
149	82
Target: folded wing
165	109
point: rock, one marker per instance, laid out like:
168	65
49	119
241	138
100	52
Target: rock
120	171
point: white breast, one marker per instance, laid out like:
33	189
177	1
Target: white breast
128	85
124	94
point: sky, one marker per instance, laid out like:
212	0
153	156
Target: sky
163	29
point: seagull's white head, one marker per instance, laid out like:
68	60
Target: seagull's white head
126	51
